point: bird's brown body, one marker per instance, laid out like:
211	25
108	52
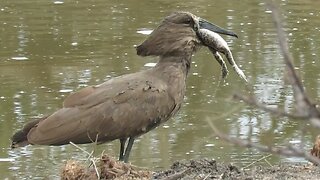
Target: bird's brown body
129	105
123	107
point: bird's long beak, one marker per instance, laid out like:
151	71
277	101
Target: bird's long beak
204	24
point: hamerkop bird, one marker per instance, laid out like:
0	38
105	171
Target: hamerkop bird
127	106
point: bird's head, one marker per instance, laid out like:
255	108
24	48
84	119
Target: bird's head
177	35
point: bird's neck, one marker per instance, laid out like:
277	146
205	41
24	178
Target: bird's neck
173	71
181	63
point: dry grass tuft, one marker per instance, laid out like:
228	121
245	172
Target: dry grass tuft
107	167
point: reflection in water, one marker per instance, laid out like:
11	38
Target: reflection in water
144	31
51	48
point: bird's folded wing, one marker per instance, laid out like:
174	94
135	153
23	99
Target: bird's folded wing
123	108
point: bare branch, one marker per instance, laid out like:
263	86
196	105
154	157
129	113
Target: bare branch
288	59
304	108
304	105
285	151
253	102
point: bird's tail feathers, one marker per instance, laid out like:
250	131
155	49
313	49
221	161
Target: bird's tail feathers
19	139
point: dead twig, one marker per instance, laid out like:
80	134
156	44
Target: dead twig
95	167
78	147
258	160
90	157
268	162
207	176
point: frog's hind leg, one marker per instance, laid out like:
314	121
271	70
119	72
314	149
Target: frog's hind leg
231	61
223	65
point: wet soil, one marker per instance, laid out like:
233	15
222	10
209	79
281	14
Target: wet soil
211	169
109	168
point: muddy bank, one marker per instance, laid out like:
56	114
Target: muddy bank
211	169
109	168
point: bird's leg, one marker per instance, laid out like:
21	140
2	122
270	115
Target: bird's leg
223	65
128	150
122	145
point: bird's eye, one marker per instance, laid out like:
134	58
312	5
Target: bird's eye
187	21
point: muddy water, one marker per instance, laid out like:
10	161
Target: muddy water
51	48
